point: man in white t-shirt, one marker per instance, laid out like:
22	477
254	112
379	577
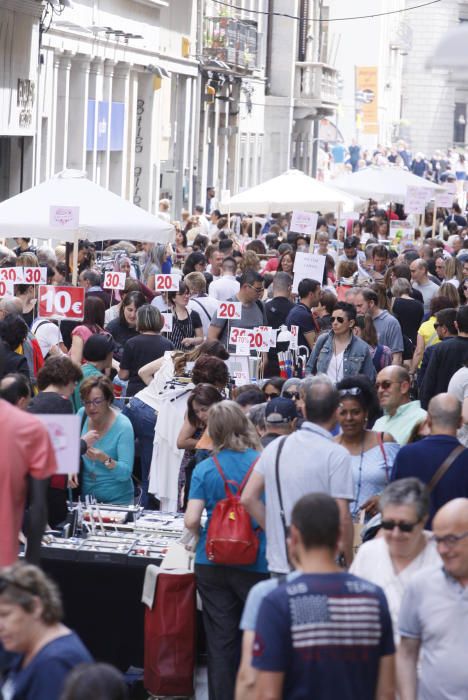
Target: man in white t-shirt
225	286
49	337
205	306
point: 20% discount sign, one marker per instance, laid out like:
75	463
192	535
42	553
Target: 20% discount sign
61	302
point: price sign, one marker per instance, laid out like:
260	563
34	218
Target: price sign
6	289
230	309
304	222
293	343
61	302
168	319
264	340
114	280
167	283
258	340
34	275
66	218
11	274
243	345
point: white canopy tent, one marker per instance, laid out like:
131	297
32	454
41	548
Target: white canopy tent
102	214
291	191
386	184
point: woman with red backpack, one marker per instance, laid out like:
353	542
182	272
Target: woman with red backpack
230	555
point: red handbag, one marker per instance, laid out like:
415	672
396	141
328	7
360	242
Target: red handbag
231	538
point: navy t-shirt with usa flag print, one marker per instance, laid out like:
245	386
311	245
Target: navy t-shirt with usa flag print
327	634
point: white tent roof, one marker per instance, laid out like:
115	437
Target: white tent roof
288	192
386	184
452	50
102	214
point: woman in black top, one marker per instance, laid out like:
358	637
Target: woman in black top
147	346
13	333
123	327
187	328
406	310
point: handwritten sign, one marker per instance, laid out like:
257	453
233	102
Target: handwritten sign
304	222
66	218
308	266
230	309
7	289
167	283
416	199
64	433
34	275
114	280
168	322
11	274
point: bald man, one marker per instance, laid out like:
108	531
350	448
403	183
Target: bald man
434	614
422	459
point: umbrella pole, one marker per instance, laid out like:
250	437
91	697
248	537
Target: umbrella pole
434	217
75	259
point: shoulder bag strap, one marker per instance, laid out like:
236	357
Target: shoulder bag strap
380	440
246	477
444	467
201	307
227	488
278	486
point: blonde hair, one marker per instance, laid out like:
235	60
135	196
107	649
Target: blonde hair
230	429
249	261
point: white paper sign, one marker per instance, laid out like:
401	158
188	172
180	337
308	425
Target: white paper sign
243	345
114	280
304	222
64	432
168	319
11	274
167	283
230	309
7	289
238	366
416	200
294	343
66	218
34	275
445	199
308	266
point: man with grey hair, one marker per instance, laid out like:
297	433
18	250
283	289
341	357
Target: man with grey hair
419	276
423	459
10	305
307	460
91	281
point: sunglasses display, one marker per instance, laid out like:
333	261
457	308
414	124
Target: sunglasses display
400	524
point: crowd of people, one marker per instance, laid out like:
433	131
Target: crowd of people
349	464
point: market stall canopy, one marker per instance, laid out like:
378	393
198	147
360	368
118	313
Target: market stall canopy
452	50
291	191
385	184
102	214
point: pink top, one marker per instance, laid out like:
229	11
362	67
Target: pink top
83	332
27	452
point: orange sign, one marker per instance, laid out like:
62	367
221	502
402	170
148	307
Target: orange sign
367	98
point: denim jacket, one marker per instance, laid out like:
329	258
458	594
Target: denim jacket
357	358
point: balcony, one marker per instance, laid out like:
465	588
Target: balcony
232	41
315	89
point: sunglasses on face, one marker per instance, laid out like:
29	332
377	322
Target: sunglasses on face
338	319
449	540
270	395
400	524
385	384
294	395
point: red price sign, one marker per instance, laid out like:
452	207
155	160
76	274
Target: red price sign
11	274
6	289
114	280
230	309
61	302
167	283
34	275
258	340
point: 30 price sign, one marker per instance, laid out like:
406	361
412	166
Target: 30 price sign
61	302
259	340
6	289
114	280
11	274
167	283
34	275
230	309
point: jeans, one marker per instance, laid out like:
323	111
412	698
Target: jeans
223	591
143	420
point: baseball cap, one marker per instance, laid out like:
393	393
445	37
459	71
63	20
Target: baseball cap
280	410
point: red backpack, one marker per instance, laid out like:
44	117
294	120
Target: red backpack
231	538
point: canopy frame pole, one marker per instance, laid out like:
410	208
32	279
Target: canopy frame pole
434	220
76	239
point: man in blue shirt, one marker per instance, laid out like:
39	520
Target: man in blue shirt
327	633
422	459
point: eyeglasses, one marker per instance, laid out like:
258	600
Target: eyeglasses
259	290
353	391
93	402
270	395
6	582
400	524
183	294
294	395
449	540
338	319
385	384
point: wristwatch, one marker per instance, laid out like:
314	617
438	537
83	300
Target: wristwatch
108	462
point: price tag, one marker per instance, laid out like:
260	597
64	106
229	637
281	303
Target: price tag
11	274
273	334
114	280
261	338
61	302
293	343
6	289
167	283
34	275
258	340
243	345
230	309
168	319
241	378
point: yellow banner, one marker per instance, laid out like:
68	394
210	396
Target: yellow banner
367	98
